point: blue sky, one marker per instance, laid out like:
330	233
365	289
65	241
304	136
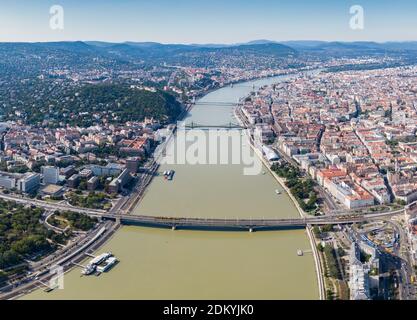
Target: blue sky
209	21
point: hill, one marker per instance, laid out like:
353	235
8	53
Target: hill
91	104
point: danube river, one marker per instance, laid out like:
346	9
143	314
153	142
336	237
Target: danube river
182	264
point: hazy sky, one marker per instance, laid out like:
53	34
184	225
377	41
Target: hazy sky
209	21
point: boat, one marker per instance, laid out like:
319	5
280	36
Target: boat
99	259
277	192
107	265
50	289
95	262
89	269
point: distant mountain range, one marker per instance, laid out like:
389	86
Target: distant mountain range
154	53
263	47
282	45
158	49
295	44
326	45
255	54
357	45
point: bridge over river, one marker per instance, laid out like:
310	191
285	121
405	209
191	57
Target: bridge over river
247	224
217	103
203	223
228	126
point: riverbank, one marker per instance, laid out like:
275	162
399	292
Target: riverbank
176	265
67	262
303	214
278	74
158	263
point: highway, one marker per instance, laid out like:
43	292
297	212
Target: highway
407	289
130	202
50	206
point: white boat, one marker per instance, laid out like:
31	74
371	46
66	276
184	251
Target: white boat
108	264
89	269
99	259
92	266
277	192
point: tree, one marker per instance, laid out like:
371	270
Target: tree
3	277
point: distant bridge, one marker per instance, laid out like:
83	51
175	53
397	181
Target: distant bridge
229	126
217	103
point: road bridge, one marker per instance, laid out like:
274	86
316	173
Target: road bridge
229	126
202	223
217	103
248	224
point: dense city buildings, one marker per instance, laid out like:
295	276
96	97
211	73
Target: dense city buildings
83	126
354	132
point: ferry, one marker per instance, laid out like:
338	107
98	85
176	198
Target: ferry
101	258
107	265
91	267
50	289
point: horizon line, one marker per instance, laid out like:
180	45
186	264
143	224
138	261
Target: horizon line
212	43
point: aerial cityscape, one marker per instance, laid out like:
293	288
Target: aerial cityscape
176	165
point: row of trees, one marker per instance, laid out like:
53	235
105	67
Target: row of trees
79	221
302	189
332	266
21	234
94	200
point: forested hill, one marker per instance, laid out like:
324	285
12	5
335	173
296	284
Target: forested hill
122	103
92	104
